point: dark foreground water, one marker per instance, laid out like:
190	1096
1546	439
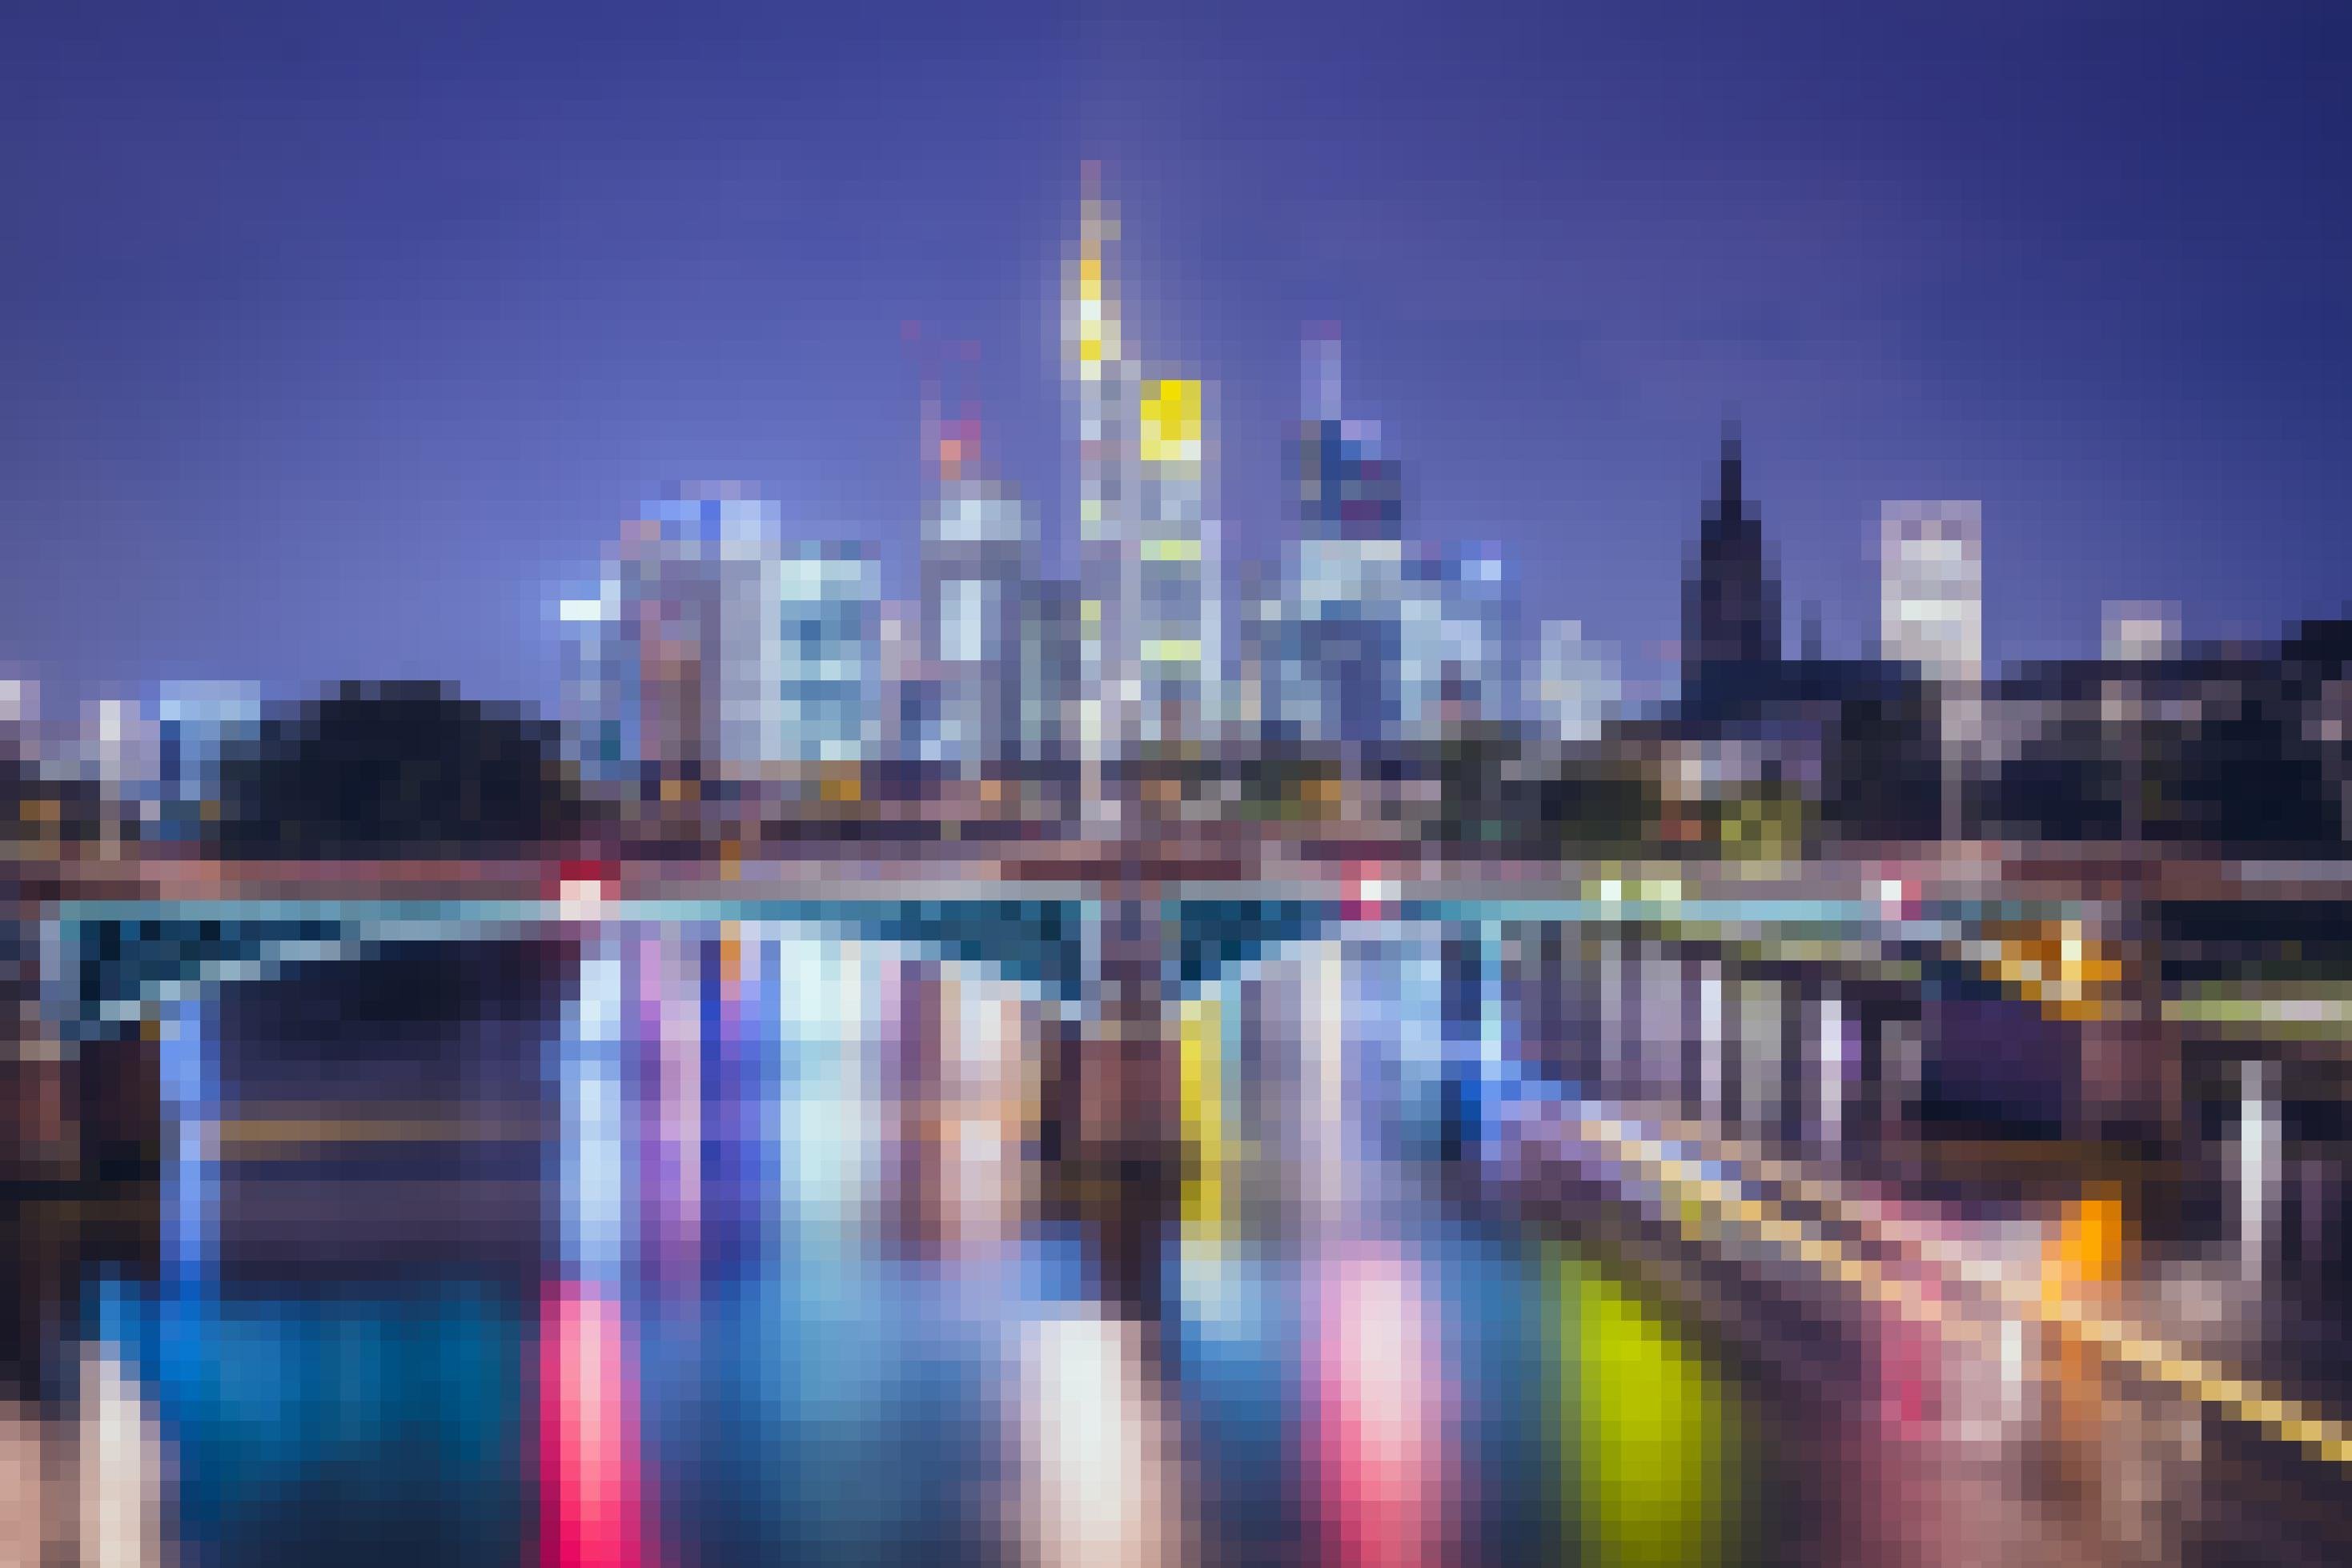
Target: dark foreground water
1378	1399
727	1249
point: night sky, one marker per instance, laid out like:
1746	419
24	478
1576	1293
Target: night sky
335	339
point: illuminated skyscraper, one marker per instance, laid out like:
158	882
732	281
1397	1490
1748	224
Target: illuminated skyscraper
1931	618
715	646
1931	587
1149	553
1371	641
1344	488
979	557
1368	639
827	681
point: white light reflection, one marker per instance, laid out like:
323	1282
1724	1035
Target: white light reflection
1100	1487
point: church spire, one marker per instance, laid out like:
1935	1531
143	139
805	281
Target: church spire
1728	472
1731	607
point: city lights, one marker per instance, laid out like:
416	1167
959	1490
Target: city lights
1126	961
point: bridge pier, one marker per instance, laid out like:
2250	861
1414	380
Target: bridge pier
1122	1146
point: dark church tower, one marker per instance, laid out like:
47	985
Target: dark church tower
1731	605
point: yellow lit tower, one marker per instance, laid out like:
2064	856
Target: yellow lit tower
1148	538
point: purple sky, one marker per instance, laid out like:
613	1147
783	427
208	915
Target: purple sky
333	337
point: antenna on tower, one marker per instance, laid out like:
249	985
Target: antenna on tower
951	439
1727	475
924	350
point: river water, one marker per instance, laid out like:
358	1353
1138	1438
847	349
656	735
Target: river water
658	1261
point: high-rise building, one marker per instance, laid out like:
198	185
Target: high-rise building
1379	640
1367	639
714	646
1048	682
909	702
1580	683
1328	653
1931	587
828	684
1731	604
1150	614
1931	619
1342	486
978	557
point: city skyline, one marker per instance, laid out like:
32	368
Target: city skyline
1375	785
378	468
975	529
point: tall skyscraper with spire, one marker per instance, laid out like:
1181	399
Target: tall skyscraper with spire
1731	604
1148	535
